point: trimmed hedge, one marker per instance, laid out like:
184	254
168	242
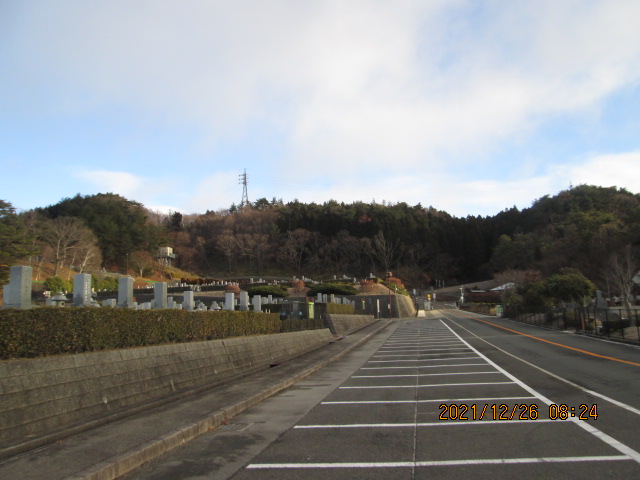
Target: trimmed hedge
52	330
340	309
329	288
278	291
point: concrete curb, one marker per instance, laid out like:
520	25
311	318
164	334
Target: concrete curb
128	461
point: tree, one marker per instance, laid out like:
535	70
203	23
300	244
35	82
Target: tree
623	265
261	204
66	236
227	245
174	223
15	241
247	246
87	254
384	250
120	225
570	286
142	261
295	248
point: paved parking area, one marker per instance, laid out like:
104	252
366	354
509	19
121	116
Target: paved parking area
429	405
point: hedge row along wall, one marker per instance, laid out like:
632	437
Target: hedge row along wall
53	330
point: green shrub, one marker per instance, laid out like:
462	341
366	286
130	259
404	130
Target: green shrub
332	288
57	284
107	283
340	309
278	291
394	287
53	330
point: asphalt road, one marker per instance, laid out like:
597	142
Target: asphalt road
453	396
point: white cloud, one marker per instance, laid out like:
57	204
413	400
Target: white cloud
359	90
146	190
122	183
611	170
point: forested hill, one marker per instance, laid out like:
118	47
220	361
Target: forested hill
578	228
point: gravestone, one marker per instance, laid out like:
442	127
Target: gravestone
82	290
109	302
160	295
187	300
17	294
125	292
257	303
600	301
229	301
244	301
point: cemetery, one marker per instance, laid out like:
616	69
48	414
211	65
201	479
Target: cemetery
78	359
86	321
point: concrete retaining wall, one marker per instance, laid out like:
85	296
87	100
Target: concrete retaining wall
45	395
346	324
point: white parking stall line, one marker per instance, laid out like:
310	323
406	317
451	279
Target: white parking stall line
438	463
482	423
438	400
426	359
427	366
391	387
612	442
419	349
424	354
495	372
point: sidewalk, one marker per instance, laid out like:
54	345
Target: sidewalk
109	451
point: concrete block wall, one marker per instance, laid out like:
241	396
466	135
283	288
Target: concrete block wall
42	396
346	324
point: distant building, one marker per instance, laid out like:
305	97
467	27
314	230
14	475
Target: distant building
166	256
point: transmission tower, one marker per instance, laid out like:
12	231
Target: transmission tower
245	198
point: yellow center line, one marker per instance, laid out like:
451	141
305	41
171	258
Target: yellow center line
613	359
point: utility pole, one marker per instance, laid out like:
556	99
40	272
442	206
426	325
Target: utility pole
245	198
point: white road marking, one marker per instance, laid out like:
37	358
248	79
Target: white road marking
426	354
622	448
440	463
391	387
425	359
426	375
626	407
427	366
479	423
438	400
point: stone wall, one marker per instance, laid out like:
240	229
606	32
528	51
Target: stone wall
42	396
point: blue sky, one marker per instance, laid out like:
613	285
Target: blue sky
467	106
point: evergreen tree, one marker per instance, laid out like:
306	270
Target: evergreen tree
15	241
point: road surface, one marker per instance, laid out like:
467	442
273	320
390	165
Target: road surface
456	395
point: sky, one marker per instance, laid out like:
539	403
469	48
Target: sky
471	107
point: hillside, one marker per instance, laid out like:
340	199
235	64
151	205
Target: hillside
580	228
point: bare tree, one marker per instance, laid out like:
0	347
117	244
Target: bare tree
227	245
623	266
246	245
65	235
89	255
295	248
141	260
384	250
260	249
